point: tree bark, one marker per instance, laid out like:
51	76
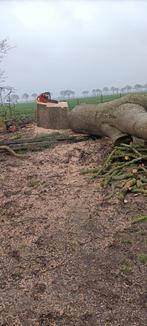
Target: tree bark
121	119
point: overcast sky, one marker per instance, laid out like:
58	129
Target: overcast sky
79	45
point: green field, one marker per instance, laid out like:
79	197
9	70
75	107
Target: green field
28	110
19	111
91	100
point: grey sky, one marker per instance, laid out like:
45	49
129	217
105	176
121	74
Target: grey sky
79	45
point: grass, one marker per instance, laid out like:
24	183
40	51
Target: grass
34	183
140	219
142	258
126	268
127	241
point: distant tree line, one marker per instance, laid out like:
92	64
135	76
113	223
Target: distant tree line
8	94
67	94
115	90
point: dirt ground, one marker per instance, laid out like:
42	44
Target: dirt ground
68	256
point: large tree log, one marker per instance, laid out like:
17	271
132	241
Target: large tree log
120	119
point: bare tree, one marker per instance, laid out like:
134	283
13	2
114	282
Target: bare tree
72	93
25	97
8	93
94	92
127	88
4	47
67	93
1	95
138	88
63	94
98	92
105	90
112	89
116	90
34	96
14	98
5	91
122	90
85	93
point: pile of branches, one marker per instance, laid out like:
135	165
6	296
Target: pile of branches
38	143
124	171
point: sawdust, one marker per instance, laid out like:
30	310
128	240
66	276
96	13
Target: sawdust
38	130
63	246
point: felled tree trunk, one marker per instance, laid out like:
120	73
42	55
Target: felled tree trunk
52	115
121	119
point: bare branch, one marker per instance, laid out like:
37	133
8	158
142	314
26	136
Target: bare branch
4	48
2	76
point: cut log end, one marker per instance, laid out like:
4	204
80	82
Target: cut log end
125	139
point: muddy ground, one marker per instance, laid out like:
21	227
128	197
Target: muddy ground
67	256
